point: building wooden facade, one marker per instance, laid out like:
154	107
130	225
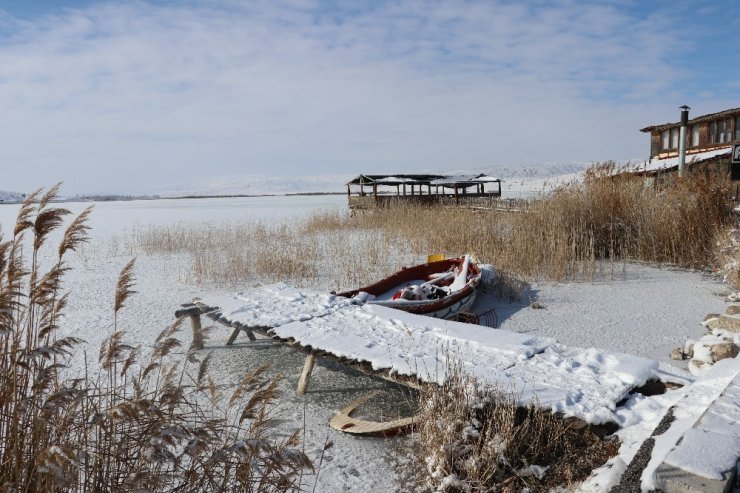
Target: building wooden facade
704	133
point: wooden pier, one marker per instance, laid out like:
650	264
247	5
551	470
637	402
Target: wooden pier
378	340
383	191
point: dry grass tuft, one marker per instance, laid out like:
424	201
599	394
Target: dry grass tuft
475	438
728	256
132	425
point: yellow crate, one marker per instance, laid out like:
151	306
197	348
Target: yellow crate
435	257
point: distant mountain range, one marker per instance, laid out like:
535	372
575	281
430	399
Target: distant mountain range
518	180
11	196
526	179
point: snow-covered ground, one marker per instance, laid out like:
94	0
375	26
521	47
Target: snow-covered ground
642	311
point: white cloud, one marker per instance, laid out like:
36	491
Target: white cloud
132	97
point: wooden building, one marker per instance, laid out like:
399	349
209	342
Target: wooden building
371	191
709	141
705	133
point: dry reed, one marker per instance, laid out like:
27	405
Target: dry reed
133	425
580	231
475	438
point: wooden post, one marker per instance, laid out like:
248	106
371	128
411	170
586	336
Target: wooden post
306	375
404	189
348	193
235	333
457	200
197	332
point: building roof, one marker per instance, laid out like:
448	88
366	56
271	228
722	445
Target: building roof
698	119
656	165
443	180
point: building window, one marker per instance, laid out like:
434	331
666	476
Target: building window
664	140
695	136
720	132
674	138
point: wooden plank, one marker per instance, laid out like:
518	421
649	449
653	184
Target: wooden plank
343	421
233	335
306	374
197	331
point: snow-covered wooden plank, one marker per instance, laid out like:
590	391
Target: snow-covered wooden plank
273	305
583	383
408	344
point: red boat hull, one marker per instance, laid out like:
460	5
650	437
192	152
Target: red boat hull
446	307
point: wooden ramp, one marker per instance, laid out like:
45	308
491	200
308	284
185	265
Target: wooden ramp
343	421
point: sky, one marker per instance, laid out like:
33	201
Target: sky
134	97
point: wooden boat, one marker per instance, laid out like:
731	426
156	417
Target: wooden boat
440	289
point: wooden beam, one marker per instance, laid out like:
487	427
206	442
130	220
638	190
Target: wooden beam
188	310
306	374
235	333
197	331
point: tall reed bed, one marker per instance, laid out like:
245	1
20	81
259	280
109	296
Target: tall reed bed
608	216
134	421
580	230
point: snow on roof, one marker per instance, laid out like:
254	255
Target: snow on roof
463	180
585	383
656	164
444	180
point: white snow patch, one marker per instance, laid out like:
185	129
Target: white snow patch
694	447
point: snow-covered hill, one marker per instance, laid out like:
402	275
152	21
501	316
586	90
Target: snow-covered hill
517	179
260	185
11	196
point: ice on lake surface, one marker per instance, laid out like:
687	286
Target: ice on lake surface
112	217
644	312
162	284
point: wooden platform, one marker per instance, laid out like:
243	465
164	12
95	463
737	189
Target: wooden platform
583	384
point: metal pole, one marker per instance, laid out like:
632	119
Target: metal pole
682	140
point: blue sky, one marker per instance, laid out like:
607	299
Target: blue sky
132	97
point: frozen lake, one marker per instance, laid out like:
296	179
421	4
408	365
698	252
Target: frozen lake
163	283
645	312
112	217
